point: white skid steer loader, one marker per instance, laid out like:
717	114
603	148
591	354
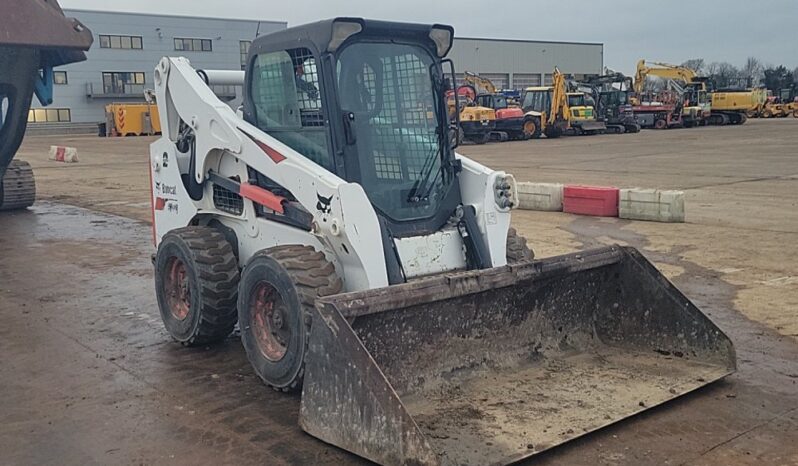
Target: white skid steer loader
368	264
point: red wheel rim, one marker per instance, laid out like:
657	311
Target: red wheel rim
269	327
178	291
529	128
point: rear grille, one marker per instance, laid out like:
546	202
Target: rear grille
227	201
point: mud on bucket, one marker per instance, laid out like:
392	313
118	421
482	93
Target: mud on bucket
490	367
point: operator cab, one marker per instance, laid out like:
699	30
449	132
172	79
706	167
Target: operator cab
365	100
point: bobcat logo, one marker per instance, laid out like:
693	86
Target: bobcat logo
323	205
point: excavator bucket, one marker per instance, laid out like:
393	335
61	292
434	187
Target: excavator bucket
494	366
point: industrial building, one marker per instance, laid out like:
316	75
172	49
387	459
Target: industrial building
516	64
127	46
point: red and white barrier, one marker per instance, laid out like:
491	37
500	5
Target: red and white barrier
64	154
652	205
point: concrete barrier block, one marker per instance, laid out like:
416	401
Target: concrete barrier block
540	196
651	204
599	201
63	154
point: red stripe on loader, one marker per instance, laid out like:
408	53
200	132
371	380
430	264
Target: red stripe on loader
273	154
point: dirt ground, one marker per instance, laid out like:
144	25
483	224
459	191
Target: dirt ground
89	376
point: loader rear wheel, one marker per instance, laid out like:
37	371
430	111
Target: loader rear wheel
517	249
278	289
196	283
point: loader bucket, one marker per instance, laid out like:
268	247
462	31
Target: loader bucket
494	366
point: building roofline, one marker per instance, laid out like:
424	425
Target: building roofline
168	15
530	41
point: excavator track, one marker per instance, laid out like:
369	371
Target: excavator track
18	187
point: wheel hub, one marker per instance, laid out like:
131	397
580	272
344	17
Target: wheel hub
268	312
178	292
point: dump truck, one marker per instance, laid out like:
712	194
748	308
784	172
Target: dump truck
369	265
35	37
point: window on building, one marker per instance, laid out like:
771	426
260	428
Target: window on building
120	42
244	46
193	45
49	115
60	77
126	82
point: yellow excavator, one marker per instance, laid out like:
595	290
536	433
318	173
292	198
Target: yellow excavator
697	109
550	107
722	107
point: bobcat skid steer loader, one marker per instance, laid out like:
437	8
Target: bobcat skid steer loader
370	266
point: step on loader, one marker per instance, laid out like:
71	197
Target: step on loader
370	266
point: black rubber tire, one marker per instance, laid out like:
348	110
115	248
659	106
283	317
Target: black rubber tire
300	274
552	132
211	271
517	249
17	187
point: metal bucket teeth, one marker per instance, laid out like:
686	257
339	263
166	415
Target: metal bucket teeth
491	367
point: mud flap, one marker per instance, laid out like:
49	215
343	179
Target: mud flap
494	366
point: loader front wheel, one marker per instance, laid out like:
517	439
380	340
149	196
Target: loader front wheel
196	282
517	249
278	289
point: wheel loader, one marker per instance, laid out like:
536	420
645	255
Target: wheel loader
34	37
369	265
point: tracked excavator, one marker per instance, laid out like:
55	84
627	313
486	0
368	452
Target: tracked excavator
696	103
372	267
34	37
612	93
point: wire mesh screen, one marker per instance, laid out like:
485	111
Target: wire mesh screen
404	117
227	201
387	91
288	103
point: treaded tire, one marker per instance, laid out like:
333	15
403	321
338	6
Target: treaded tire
17	187
199	261
276	299
517	250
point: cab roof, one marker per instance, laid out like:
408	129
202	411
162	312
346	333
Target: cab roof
328	35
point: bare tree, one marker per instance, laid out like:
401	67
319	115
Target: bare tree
695	64
723	74
795	75
752	71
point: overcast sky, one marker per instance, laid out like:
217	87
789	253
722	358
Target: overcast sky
661	30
